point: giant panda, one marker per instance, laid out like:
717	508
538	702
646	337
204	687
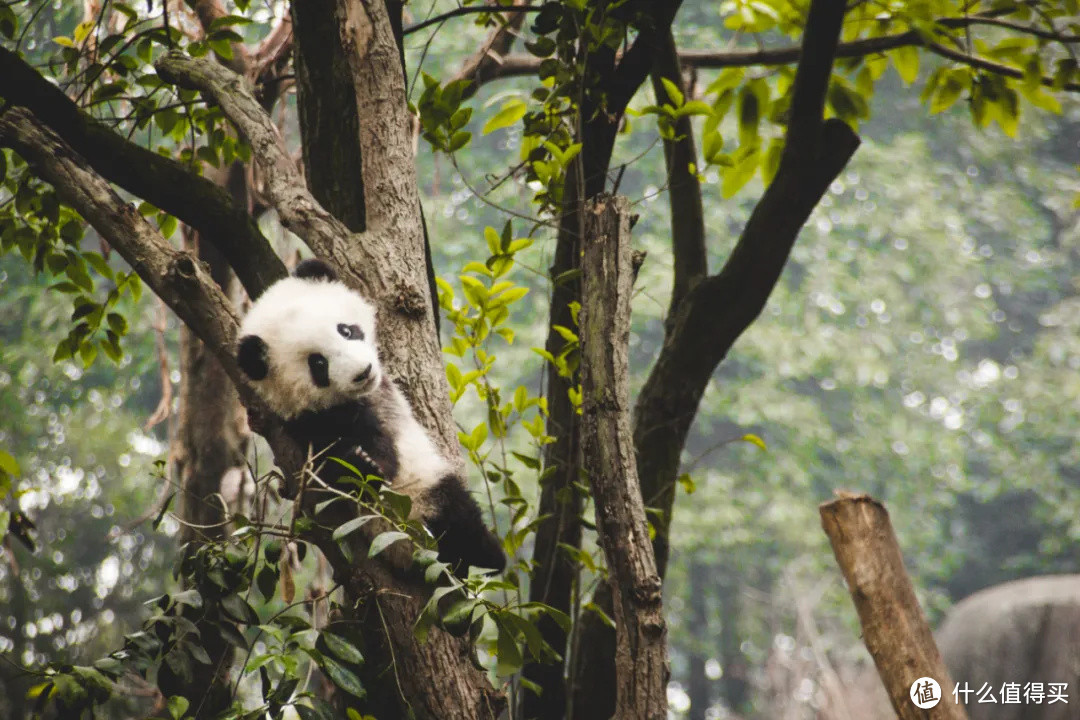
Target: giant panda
308	345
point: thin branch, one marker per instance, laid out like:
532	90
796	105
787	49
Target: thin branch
162	181
518	65
470	10
481	64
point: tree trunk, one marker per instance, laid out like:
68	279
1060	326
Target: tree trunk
894	628
354	40
641	669
211	441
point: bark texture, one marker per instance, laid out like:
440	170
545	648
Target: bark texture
894	628
327	108
435	679
607	281
602	107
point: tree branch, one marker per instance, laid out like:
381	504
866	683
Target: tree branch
451	689
607	283
518	65
175	276
470	10
297	209
483	63
161	181
684	189
717	311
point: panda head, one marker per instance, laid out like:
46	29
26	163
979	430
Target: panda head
308	343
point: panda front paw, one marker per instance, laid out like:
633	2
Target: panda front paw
458	525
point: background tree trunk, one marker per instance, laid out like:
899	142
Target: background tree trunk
211	441
641	671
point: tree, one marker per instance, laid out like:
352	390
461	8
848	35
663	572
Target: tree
364	217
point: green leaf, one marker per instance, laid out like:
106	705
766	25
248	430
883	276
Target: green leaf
687	483
952	85
740	173
754	440
342	648
177	705
508	652
385	540
459	140
511	111
351	526
8	464
906	61
675	96
343	677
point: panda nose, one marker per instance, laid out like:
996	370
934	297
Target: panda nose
363	376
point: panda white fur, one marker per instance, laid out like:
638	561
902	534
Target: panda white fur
308	345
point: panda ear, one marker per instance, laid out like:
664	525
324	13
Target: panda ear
252	356
314	269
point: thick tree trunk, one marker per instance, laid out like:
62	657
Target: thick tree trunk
894	628
326	107
607	279
377	189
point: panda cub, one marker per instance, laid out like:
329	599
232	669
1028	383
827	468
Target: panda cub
308	346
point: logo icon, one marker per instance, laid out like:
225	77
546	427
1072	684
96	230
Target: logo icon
925	693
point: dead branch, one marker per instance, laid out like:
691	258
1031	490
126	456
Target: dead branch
894	628
607	283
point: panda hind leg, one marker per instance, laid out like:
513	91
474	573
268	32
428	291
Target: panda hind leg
455	519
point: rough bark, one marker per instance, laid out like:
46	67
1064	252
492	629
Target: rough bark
894	628
327	108
436	679
607	280
441	684
555	573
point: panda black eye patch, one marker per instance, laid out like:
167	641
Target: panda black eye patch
350	332
320	369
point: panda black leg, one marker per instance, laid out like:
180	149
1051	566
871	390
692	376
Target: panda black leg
458	526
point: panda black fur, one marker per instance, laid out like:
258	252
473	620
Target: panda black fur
308	346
